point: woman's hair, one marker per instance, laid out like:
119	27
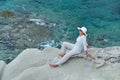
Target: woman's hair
82	32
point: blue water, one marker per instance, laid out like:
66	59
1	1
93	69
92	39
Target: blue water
101	17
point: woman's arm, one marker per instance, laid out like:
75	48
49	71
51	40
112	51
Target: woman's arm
85	46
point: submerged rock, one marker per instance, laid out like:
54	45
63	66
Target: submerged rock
7	13
33	64
22	32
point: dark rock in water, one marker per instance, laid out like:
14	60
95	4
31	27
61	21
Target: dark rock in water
3	23
9	58
7	14
37	1
8	41
23	33
101	37
58	46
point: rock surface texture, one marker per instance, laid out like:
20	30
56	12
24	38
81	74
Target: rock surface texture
33	64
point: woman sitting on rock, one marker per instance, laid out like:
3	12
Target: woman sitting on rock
77	48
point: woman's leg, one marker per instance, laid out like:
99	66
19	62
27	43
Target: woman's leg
66	45
66	57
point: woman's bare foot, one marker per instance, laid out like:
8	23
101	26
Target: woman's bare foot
53	65
61	54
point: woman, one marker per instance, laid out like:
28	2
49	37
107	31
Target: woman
77	48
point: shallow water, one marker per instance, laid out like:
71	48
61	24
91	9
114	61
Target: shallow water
102	18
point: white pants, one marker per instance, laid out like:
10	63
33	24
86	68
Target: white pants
67	55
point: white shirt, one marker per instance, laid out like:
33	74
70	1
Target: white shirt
81	44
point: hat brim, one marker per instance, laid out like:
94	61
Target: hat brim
78	28
81	30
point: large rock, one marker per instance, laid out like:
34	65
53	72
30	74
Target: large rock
32	64
27	59
2	66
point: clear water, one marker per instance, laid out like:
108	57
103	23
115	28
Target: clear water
101	17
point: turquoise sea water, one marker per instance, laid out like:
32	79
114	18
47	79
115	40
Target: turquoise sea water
101	17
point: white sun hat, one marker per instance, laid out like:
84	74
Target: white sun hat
83	29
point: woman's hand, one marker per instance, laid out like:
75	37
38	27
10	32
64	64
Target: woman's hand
89	46
88	54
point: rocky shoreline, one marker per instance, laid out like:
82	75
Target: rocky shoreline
29	29
32	64
24	30
21	32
